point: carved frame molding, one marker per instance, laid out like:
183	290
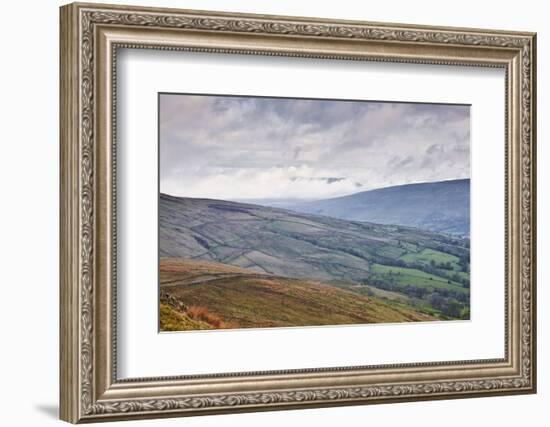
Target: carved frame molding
90	36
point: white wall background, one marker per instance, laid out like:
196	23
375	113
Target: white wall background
29	170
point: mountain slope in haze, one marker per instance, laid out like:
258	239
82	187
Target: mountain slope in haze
442	206
208	295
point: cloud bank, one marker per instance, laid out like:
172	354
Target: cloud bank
238	148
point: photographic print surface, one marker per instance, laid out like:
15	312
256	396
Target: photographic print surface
282	212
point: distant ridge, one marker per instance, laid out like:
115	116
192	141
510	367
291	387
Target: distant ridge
442	206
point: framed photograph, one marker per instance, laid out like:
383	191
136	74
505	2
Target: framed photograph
266	212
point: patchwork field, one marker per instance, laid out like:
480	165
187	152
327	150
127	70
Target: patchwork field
413	277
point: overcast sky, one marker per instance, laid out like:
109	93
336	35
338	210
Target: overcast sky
237	148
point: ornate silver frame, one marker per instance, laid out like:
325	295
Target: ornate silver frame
90	36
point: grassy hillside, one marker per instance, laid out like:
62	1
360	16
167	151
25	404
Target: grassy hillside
173	320
352	255
437	206
206	295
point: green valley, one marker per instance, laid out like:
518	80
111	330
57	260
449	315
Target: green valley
403	268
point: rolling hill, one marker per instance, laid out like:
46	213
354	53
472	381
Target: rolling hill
424	269
285	243
442	206
207	295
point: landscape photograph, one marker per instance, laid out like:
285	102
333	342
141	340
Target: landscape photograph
291	212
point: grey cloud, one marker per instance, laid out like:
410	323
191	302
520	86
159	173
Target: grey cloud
434	148
328	180
398	163
208	142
